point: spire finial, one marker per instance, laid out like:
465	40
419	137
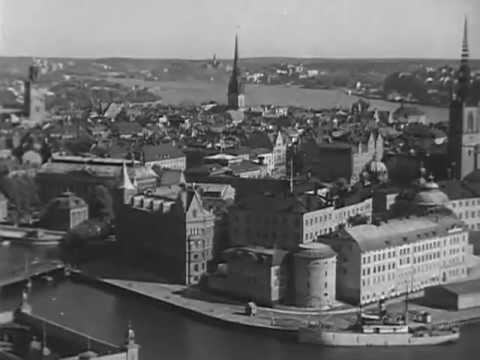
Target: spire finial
465	52
235	54
126	182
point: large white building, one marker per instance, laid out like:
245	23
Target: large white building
399	256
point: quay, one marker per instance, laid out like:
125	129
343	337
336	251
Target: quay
283	322
33	270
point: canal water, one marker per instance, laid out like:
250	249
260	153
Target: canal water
169	335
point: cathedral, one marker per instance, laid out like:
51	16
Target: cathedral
464	117
236	96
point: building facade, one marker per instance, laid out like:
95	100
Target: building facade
399	256
164	156
288	221
253	274
172	233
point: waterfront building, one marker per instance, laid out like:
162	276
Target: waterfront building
379	261
64	212
253	274
286	221
236	93
170	231
464	118
314	274
458	296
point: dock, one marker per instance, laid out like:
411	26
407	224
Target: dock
33	270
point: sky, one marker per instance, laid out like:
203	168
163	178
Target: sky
196	29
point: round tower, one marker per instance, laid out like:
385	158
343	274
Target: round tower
315	276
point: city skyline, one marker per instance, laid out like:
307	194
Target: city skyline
117	29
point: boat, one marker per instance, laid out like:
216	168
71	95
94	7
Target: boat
5	243
381	329
379	334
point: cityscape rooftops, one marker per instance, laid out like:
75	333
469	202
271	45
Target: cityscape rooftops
397	232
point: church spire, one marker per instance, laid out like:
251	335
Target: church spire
235	86
465	52
463	78
235	56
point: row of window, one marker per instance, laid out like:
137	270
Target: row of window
467	214
388	254
470	202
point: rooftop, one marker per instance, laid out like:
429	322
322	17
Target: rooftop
396	232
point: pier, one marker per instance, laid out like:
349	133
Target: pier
32	270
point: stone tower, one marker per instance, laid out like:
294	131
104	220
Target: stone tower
464	119
236	96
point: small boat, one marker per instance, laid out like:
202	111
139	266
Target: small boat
6	243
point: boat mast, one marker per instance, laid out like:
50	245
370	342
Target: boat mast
407	293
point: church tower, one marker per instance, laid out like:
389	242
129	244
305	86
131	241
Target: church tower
464	119
236	96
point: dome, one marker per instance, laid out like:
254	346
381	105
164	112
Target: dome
430	195
67	201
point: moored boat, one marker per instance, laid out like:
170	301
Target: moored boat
379	330
383	336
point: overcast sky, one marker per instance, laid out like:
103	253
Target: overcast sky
199	28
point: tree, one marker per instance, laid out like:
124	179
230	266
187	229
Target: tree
101	204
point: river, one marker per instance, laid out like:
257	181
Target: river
169	335
177	92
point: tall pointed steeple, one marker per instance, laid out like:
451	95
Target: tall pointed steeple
235	88
464	70
465	52
235	56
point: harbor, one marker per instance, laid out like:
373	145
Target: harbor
70	303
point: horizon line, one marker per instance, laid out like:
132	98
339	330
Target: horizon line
231	59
